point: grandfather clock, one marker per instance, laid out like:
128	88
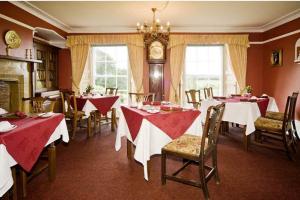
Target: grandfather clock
156	46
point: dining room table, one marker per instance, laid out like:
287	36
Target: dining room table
241	110
24	142
101	103
151	128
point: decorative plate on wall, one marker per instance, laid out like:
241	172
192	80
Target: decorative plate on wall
12	39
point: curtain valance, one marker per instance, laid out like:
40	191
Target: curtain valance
185	39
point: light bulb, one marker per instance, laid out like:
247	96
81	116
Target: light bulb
138	24
168	23
157	20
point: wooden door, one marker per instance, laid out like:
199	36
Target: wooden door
156	80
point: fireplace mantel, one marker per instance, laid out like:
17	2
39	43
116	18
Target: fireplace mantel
20	59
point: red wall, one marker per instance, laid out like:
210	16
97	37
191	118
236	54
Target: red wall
280	82
65	69
24	33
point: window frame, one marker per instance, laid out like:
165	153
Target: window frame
95	75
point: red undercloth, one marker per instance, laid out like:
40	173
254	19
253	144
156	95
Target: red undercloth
173	123
103	104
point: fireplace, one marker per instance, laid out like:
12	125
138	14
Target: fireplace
15	84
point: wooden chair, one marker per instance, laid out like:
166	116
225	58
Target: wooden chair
208	93
141	97
40	104
280	116
277	130
193	97
196	150
71	113
47	159
111	91
96	115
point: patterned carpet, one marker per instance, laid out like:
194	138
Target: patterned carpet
92	169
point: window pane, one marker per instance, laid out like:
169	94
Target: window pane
111	82
100	84
100	68
111	68
121	68
100	55
122	83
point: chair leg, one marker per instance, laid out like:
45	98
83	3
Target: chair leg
163	168
52	162
89	132
113	119
14	189
215	166
74	127
203	181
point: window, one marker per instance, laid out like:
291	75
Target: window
110	69
204	67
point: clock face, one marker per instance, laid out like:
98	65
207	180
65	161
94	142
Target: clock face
156	50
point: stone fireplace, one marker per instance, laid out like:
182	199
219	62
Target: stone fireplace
15	83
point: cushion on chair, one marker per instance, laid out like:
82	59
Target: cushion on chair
266	124
186	144
275	115
71	115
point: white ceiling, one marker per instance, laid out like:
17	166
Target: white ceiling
188	16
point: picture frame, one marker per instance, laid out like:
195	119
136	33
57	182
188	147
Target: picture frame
276	58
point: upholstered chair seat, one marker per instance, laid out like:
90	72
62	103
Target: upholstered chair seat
186	145
271	125
275	115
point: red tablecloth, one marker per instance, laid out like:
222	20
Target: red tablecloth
173	123
26	142
103	104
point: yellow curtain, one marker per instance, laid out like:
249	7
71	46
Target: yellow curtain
238	58
177	54
79	44
79	54
136	64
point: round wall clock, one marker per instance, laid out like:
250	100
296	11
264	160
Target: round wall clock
156	51
12	39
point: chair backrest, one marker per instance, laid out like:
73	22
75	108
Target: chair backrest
193	96
208	92
69	104
111	91
40	104
211	129
295	94
141	97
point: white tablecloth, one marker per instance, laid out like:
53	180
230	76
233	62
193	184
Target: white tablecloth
6	161
89	106
244	113
150	139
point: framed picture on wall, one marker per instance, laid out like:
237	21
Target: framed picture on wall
276	57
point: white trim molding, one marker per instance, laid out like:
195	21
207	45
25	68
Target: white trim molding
34	10
277	37
16	22
41	14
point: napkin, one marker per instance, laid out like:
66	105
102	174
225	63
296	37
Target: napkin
2	111
5	125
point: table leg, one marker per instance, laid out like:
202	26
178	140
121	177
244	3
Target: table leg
52	161
148	168
246	139
113	119
14	189
129	150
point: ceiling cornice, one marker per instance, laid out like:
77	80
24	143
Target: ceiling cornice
122	29
32	9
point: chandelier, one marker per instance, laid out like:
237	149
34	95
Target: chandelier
154	30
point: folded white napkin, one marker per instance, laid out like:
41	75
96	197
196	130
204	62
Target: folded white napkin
253	97
2	111
5	125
